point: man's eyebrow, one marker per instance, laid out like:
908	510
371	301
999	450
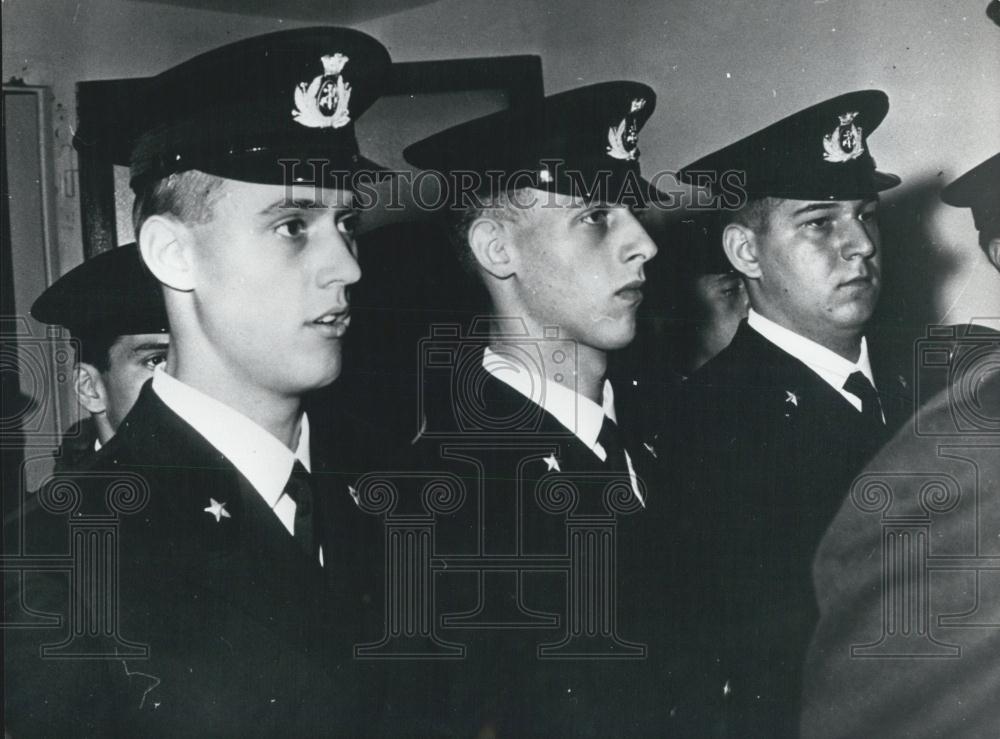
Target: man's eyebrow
151	346
291	204
300	204
812	207
599	202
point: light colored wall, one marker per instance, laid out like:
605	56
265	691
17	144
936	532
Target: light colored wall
722	68
57	43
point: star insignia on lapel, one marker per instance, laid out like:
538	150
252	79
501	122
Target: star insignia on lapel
792	398
552	463
218	510
902	381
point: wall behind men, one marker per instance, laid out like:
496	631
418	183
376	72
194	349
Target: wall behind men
57	43
721	68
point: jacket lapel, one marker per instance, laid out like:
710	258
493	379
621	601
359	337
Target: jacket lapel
804	395
246	558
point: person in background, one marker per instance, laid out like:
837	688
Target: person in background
708	298
113	308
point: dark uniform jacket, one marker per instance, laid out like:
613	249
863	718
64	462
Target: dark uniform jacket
761	451
76	446
906	577
227	628
521	674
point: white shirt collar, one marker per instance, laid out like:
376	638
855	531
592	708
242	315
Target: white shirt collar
580	415
832	367
259	456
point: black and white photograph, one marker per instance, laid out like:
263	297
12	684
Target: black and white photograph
458	368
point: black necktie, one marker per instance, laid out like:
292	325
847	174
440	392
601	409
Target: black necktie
859	385
610	439
299	489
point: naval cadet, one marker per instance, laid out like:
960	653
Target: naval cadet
240	548
519	405
775	425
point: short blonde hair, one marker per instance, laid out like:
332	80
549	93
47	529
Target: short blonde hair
187	195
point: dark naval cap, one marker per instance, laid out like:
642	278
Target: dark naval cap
979	189
820	153
581	142
112	294
237	110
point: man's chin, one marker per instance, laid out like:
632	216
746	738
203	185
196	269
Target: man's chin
856	317
329	378
320	378
617	342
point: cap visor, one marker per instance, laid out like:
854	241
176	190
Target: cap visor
884	180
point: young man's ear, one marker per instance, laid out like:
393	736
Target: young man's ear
740	244
488	239
993	251
166	246
90	390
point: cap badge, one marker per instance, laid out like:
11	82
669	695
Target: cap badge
843	143
323	102
623	139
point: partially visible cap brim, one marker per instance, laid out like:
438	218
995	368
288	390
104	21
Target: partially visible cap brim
884	180
111	294
977	188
